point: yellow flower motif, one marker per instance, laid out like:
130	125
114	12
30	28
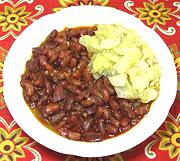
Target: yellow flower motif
11	145
1	79
69	3
170	139
13	18
154	13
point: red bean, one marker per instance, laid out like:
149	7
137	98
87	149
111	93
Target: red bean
73	89
124	121
58	93
57	117
36	51
74	135
65	61
97	101
106	113
141	109
32	65
105	95
73	119
111	129
75	82
48	87
101	126
69	103
87	102
108	86
29	88
73	62
125	103
114	104
87	124
76	74
92	136
87	75
51	108
52	36
114	122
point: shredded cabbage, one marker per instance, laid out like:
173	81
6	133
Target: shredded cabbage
126	59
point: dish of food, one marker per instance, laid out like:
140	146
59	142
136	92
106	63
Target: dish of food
51	85
61	91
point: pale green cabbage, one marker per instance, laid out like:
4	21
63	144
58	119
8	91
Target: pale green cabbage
126	59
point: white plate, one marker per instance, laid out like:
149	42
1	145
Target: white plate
33	35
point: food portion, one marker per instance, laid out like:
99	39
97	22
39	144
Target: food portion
127	61
72	89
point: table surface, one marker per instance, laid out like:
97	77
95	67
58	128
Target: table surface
161	16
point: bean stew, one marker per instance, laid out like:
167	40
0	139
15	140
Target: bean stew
63	94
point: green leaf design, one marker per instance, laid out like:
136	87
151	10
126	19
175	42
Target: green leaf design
15	134
3	134
161	21
148	6
166	17
24	14
22	22
8	9
159	6
19	152
150	20
171	127
143	16
20	141
164	10
173	152
142	10
20	10
3	15
163	134
165	144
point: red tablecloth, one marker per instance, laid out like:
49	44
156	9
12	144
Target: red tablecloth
162	16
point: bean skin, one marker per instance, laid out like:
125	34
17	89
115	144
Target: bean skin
57	117
29	88
69	103
73	62
87	102
92	136
114	104
111	129
32	65
58	93
101	126
124	121
48	87
87	75
52	36
75	82
97	101
87	124
36	51
105	95
74	135
141	109
52	108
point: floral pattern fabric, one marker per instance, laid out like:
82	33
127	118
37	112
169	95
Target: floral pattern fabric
163	16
